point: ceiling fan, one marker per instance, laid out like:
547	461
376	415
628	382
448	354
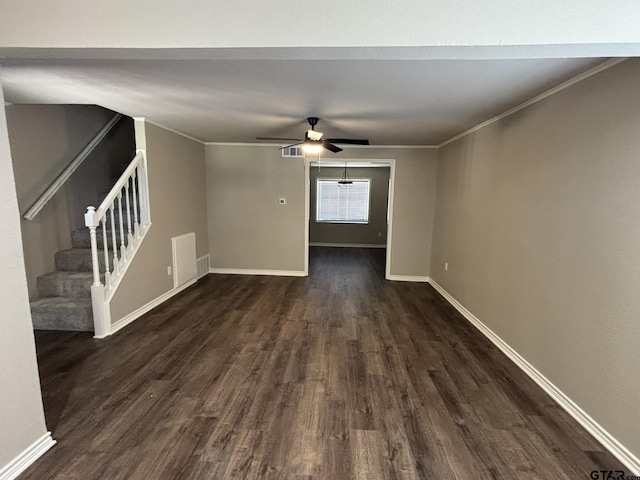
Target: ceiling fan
314	142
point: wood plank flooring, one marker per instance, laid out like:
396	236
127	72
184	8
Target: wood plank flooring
341	375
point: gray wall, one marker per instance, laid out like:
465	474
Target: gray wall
178	202
538	217
21	413
248	229
44	140
366	234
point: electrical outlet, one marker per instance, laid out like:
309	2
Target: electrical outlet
446	266
282	201
169	270
379	234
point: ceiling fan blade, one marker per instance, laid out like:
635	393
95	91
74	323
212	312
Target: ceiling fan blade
279	139
331	147
292	145
348	141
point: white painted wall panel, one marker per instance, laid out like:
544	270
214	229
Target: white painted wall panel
333	23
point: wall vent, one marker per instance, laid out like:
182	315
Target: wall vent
203	266
292	152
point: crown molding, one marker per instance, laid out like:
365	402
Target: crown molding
172	130
349	147
578	78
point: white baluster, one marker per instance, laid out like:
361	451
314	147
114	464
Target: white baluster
105	250
114	244
135	203
122	249
126	194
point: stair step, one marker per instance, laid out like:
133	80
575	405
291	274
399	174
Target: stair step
77	260
65	284
60	313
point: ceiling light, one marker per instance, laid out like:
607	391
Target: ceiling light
345	181
312	147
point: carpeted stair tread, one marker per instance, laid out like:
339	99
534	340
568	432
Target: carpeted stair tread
77	260
65	284
62	313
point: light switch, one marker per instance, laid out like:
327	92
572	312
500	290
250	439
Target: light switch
283	201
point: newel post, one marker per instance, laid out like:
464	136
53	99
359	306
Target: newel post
89	221
101	313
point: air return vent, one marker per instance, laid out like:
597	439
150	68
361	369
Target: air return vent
292	152
184	259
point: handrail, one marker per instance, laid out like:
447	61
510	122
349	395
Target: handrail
116	189
72	167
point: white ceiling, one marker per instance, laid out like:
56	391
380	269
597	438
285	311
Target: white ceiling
390	102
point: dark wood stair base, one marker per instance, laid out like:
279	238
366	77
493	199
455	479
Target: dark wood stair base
338	376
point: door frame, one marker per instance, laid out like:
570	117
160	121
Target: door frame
332	162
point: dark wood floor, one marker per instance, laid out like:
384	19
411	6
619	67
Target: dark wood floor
337	376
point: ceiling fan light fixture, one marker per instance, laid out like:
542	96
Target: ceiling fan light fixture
314	141
312	147
313	135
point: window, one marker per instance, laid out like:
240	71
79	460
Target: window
342	204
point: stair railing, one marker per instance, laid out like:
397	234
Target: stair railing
72	167
122	220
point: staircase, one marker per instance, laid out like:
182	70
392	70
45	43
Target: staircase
76	296
64	301
64	295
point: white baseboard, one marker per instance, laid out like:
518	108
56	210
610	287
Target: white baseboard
595	429
348	245
27	458
124	321
408	278
243	271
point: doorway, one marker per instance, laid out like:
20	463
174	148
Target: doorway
374	231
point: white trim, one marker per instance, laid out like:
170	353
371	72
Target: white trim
248	144
329	163
249	271
578	78
61	179
19	464
390	205
596	430
126	320
348	245
391	163
408	278
173	130
307	213
348	147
